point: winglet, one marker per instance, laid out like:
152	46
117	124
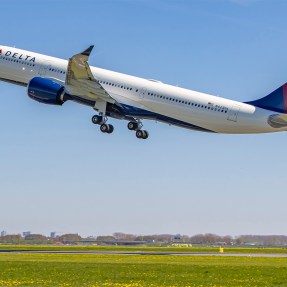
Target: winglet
88	51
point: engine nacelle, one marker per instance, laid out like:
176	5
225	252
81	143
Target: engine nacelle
46	91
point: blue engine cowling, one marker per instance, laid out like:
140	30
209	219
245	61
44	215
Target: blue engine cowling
46	91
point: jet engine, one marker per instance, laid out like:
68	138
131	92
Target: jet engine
46	91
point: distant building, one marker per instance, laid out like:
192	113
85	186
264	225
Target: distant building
26	233
54	234
3	233
177	237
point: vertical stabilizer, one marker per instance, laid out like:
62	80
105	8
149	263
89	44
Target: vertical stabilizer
276	101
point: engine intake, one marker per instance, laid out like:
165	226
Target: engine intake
46	91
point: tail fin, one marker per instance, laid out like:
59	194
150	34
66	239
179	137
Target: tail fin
276	101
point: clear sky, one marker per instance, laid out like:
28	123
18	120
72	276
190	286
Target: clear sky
58	172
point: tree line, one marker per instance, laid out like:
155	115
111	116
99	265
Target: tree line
118	237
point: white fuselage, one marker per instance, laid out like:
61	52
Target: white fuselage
198	109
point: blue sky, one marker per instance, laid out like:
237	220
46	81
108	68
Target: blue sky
58	172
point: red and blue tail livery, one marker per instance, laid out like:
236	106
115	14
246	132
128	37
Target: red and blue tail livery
276	101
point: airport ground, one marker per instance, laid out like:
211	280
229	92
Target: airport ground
142	266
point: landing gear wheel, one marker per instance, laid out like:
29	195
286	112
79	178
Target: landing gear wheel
110	129
97	119
107	128
142	134
145	135
104	128
132	126
139	134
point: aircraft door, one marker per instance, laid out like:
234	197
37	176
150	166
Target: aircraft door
43	69
143	93
233	113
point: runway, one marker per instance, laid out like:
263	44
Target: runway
262	255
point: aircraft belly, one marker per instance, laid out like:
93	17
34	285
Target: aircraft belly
12	78
248	123
16	74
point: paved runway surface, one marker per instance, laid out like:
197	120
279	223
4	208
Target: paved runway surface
278	255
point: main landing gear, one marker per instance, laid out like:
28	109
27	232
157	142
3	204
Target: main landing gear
101	120
132	126
136	126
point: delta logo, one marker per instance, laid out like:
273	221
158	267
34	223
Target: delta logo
18	56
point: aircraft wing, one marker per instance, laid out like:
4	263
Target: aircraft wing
80	80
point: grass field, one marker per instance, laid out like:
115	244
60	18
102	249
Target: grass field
194	249
140	271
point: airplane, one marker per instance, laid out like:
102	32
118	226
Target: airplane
54	81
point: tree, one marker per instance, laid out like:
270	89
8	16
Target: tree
11	238
124	236
70	238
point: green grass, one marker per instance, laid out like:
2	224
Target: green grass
146	249
60	270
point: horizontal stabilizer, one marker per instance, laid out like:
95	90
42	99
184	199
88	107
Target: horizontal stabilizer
278	121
